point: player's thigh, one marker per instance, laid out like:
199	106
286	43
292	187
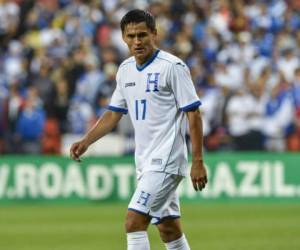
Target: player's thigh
136	221
170	229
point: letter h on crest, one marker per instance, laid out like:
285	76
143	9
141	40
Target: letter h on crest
143	199
154	81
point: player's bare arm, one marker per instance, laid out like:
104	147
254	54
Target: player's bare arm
198	172
102	127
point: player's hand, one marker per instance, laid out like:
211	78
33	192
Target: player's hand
77	149
198	175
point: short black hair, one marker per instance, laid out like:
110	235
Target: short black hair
138	16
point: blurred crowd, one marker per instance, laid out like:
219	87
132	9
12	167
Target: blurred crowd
58	60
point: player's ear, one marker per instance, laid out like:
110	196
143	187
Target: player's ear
154	32
124	33
124	37
154	36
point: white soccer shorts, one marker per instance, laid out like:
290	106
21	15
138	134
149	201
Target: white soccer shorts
156	196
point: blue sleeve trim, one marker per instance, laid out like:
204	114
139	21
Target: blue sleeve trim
191	106
116	109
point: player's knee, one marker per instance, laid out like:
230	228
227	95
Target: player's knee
135	222
131	226
169	233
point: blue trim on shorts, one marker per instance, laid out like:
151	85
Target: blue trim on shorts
138	211
160	220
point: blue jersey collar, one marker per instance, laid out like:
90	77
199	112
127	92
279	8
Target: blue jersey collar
140	68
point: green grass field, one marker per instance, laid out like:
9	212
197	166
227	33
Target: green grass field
207	226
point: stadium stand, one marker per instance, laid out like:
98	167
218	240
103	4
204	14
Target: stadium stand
58	60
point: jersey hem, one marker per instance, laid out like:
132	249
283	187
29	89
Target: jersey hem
166	170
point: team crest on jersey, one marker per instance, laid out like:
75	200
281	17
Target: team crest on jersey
152	82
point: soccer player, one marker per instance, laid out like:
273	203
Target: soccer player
156	89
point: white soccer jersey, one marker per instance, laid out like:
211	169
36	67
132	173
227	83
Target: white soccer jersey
156	95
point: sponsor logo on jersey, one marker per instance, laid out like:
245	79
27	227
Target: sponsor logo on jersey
129	84
156	161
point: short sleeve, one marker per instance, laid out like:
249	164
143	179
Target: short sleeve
183	87
118	102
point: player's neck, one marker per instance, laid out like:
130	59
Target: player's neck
141	62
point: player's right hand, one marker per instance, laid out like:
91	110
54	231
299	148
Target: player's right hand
198	175
77	149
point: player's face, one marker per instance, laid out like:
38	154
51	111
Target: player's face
140	41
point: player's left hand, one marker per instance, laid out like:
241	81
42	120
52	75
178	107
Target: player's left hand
198	175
